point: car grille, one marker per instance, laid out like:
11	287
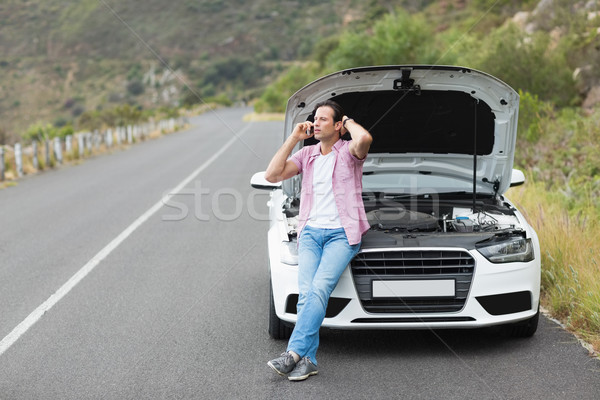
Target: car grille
419	265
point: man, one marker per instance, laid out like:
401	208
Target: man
330	225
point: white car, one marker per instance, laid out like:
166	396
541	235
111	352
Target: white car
446	249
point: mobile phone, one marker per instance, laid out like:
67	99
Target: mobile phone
310	131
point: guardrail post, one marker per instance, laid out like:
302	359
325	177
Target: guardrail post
80	144
36	161
109	138
58	150
129	134
88	141
47	152
19	159
68	144
2	166
96	139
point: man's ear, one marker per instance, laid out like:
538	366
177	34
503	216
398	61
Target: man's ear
339	126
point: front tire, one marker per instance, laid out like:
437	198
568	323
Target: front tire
277	328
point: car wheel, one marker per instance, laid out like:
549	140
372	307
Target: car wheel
277	328
524	328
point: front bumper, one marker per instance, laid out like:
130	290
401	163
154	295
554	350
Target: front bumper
499	294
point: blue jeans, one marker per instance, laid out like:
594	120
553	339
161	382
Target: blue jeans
323	254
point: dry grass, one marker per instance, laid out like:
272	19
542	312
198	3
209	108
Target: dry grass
570	258
262	117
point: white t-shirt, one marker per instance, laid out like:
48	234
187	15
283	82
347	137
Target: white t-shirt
324	213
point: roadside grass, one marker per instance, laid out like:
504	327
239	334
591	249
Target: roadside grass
264	117
570	257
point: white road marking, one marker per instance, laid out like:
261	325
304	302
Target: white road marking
32	318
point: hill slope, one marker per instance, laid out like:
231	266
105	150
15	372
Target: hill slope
58	60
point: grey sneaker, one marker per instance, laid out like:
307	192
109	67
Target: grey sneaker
284	364
303	370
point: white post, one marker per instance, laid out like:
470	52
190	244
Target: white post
68	144
88	140
1	163
109	138
47	152
96	139
129	134
80	144
19	159
36	161
58	150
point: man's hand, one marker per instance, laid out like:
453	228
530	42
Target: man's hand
280	168
361	138
303	130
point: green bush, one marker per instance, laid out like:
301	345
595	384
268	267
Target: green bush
190	97
525	62
39	132
135	72
65	131
532	110
135	87
398	38
321	50
118	116
565	158
275	97
220	99
234	72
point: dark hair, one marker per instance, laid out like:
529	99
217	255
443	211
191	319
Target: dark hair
338	111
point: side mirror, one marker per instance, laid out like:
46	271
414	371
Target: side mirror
517	178
258	181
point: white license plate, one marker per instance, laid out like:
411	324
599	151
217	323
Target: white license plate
415	288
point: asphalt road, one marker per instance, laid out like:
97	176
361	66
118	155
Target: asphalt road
176	307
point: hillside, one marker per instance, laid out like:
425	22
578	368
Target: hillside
59	60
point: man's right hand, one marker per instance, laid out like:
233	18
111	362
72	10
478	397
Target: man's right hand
280	168
303	130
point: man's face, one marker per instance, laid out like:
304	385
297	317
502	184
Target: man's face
325	128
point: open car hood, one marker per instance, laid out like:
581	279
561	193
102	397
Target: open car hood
424	119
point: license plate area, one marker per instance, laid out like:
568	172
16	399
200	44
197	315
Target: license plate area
413	288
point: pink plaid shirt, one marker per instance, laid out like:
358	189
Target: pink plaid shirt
347	188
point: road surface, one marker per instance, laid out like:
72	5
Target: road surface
141	274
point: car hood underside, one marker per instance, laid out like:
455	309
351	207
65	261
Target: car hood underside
442	120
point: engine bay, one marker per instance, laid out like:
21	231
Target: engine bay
452	220
428	213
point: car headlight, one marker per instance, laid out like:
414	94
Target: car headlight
516	250
289	253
